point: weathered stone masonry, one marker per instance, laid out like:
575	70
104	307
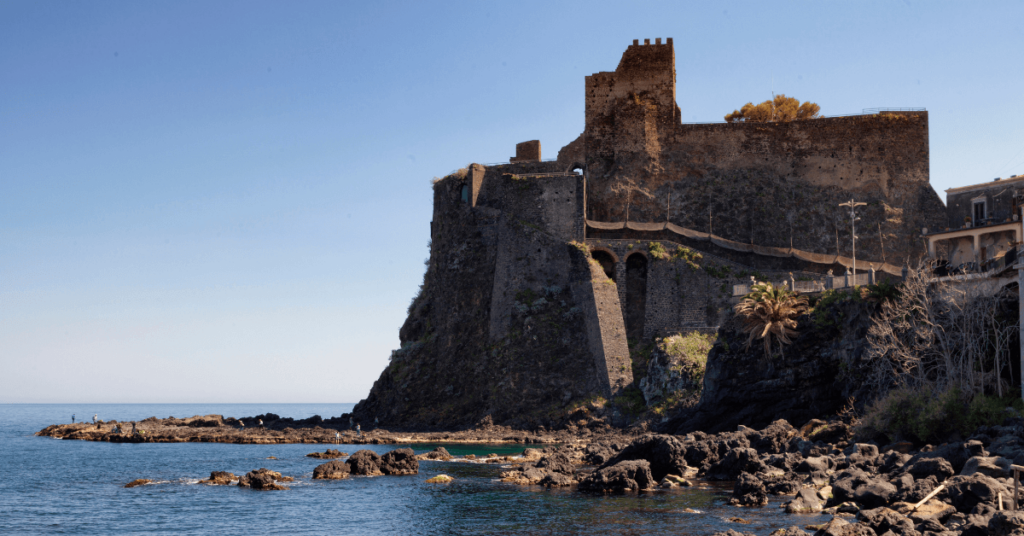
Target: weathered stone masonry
526	312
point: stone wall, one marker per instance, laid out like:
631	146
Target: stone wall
683	296
773	184
514	322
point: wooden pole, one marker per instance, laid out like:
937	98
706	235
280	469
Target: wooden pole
929	496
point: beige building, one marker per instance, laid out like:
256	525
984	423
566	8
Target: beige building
984	224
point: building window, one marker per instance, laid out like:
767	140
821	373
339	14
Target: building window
979	212
465	193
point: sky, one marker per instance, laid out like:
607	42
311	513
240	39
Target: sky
230	201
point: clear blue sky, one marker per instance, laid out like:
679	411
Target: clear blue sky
230	201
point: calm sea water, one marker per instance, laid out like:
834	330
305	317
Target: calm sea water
50	486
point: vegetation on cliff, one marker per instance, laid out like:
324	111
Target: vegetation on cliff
769	313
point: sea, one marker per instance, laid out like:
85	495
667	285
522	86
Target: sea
53	486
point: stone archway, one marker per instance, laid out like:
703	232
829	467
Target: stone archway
607	260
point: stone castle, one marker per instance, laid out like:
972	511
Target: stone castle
544	276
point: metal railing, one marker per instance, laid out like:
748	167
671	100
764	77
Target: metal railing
828	282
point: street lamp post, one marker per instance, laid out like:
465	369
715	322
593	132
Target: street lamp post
853	232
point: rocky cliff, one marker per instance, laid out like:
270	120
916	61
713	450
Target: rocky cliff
815	377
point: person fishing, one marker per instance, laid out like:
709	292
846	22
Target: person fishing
337	437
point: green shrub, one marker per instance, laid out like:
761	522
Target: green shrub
926	415
692	350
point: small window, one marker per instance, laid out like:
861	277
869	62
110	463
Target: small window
465	193
979	212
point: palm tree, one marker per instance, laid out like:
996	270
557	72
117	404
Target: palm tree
769	313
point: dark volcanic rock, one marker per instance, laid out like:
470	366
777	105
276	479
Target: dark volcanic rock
263	480
138	482
600	452
328	454
629	475
741	386
736	461
925	467
399	462
1006	523
558	462
967	492
805	502
365	463
882	520
749	491
440	453
863	488
666	455
219	478
332	470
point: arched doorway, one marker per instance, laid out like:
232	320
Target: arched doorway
607	262
636	295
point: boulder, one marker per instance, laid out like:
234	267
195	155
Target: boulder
863	488
967	492
665	455
1006	524
815	464
219	478
557	463
840	527
332	470
328	454
440	479
262	479
774	438
992	466
365	463
736	461
599	453
882	520
749	491
806	502
629	475
138	482
557	480
440	454
399	462
789	531
925	467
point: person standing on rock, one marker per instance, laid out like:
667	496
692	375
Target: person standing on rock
359	432
94	418
72	418
261	424
242	424
337	437
134	432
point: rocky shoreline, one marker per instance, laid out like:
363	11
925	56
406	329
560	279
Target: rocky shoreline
963	487
277	430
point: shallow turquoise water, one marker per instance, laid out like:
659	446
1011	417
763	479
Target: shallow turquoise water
50	486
